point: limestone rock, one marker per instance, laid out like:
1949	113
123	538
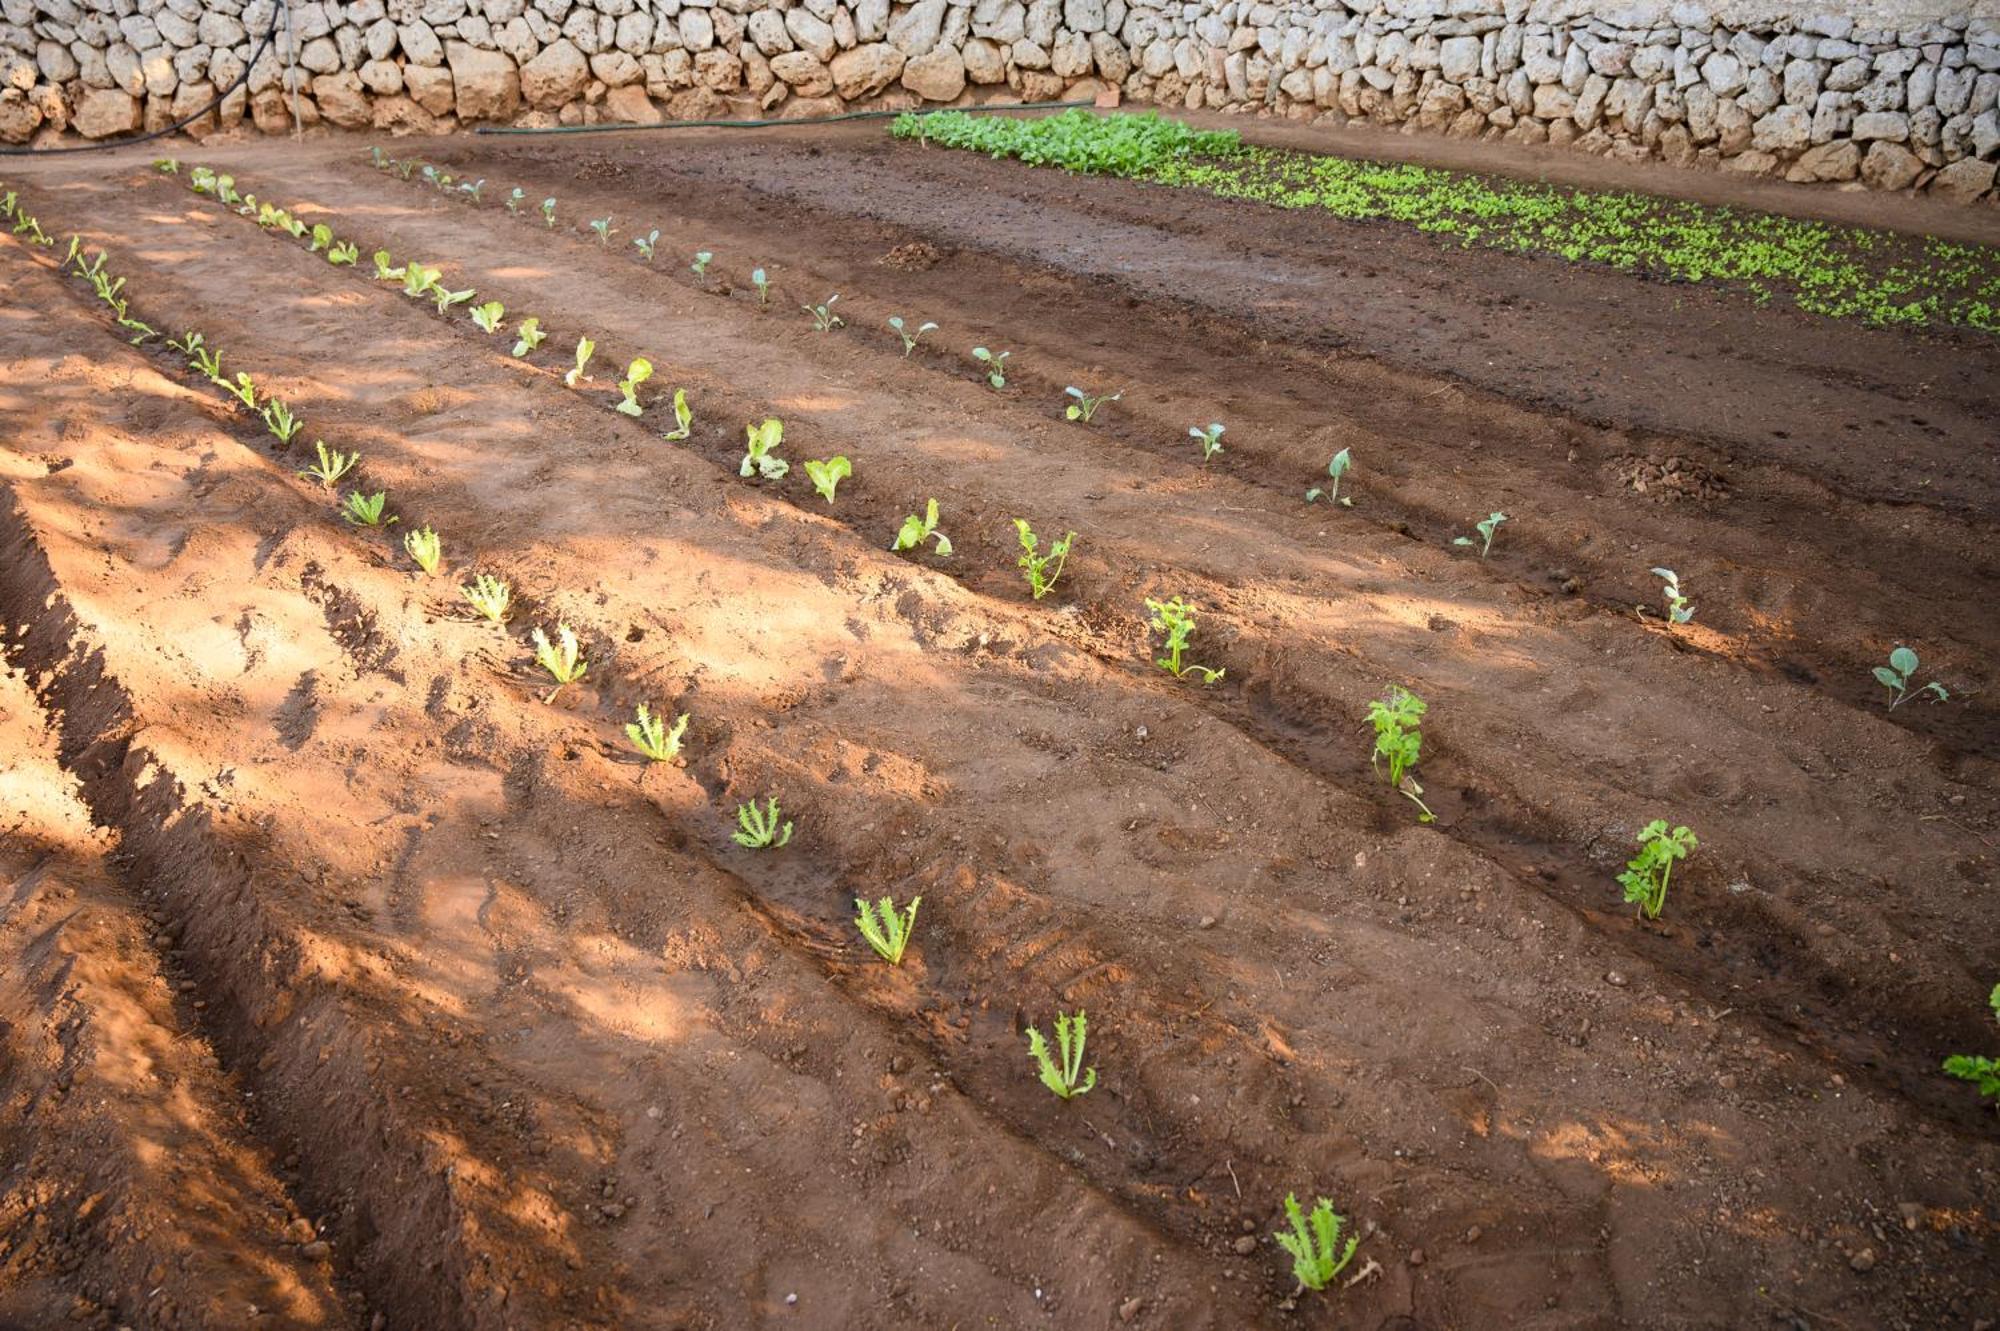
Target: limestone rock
937	76
1786	129
342	99
555	76
430	87
103	112
19	117
867	70
915	31
984	64
487	83
630	105
1840	160
803	73
1889	166
1964	181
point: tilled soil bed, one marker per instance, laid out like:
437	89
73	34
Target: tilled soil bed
351	981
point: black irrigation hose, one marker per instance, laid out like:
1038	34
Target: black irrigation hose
278	7
769	124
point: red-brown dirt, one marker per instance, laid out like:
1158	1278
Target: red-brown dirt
475	1021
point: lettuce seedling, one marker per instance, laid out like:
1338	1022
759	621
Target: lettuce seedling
383	272
1485	530
1175	618
683	418
584	346
1398	721
1981	1071
280	421
995	363
1646	874
1085	405
418	279
243	390
488	316
167	166
1313	1250
651	736
365	510
564	663
200	179
346	252
1209	437
648	245
1897	674
602	226
209	362
1334	469
638	372
909	337
702	259
549	213
528	336
823	317
140	331
758	829
826	476
489	596
1036	567
916	530
1679	611
886	931
763	285
332	465
322	238
515	198
447	299
1067	1077
760	455
187	343
425	548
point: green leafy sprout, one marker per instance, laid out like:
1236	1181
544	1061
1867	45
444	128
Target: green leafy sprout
424	547
244	390
280	421
1646	874
1679	609
760	455
602	226
1175	618
647	245
489	596
528	336
1896	677
916	530
886	931
488	316
1981	1071
1085	405
1398	720
823	317
515	198
757	829
826	476
1040	569
702	259
322	238
365	510
383	271
332	465
1063	1072
584	348
909	337
637	373
549	213
1314	1243
1335	469
563	659
995	363
1209	437
1485	530
343	254
683	418
446	298
651	735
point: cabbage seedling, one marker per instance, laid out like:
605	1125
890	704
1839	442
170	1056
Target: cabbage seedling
1036	567
1085	405
1175	618
447	299
1646	874
280	421
322	237
763	285
638	372
489	596
425	548
488	316
564	663
1485	530
1317	1253
683	418
1335	470
515	198
584	346
1897	674
1067	1077
1981	1071
651	736
383	272
702	259
995	363
345	253
826	476
365	510
602	226
886	931
647	245
1398	721
549	213
473	190
1210	438
916	530
758	829
1679	611
332	465
909	337
528	336
759	456
823	317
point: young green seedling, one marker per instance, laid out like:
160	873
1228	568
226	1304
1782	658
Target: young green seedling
424	547
473	190
647	245
278	419
515	198
1317	1253
432	178
332	465
1085	405
244	390
584	346
886	931
419	279
602	226
187	343
823	317
167	166
683	418
826	476
403	170
909	338
651	735
995	363
1175	618
209	362
763	285
345	253
638	372
760	455
1065	1075
1485	530
447	299
757	829
702	259
564	662
1210	438
916	530
1646	874
140	331
528	336
489	596
1036	567
1334	469
1679	610
1897	674
488	316
322	237
1978	1069
549	213
385	273
365	510
1398	719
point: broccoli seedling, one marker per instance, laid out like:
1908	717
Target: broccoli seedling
1485	530
886	931
549	213
1978	1069
489	596
916	530
528	336
757	829
648	245
909	338
1334	469
1175	618
683	418
473	190
1063	1073
488	316
1085	405
564	663
760	454
699	267
1646	874
1209	437
365	510
515	198
602	226
638	372
763	285
823	317
1317	1253
332	465
1035	566
1896	677
826	476
651	735
1679	609
424	547
995	363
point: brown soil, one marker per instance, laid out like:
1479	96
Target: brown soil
507	1023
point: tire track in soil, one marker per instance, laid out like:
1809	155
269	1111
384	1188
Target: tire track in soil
1795	988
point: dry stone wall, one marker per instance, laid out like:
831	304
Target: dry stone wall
1892	97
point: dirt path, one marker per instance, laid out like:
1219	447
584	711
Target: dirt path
585	1062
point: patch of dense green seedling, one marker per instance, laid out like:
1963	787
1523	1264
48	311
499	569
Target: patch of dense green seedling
910	336
1041	569
651	735
683	418
1978	1069
1897	677
1175	618
886	931
1645	877
1398	720
823	317
1085	407
758	829
562	658
826	476
425	549
1314	1243
1076	140
916	530
1485	530
995	363
489	596
1342	461
760	453
1062	1071
1209	437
